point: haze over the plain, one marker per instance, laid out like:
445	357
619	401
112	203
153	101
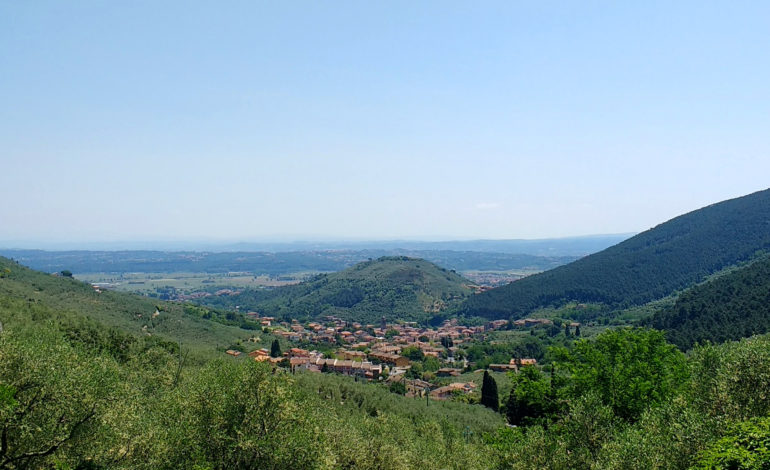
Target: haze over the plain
434	120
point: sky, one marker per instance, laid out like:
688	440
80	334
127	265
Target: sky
226	120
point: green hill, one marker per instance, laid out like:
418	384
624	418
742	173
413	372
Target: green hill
83	384
27	295
732	306
393	287
648	266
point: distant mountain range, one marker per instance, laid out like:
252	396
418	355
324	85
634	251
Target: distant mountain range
566	246
274	264
654	264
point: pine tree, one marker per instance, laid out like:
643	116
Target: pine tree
489	396
577	330
275	349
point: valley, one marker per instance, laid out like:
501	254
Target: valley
578	360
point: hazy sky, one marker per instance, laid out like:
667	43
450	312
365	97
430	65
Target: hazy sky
512	119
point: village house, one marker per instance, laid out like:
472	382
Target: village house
259	352
399	361
442	393
523	362
363	369
353	355
297	352
448	372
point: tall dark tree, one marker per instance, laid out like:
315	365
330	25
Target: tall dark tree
275	349
489	397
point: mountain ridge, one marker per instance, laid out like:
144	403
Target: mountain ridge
670	256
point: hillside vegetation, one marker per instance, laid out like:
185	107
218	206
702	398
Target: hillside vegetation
25	293
732	306
83	385
648	266
397	288
75	393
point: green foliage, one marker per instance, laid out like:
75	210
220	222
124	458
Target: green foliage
630	369
397	387
275	349
729	307
413	353
732	380
530	399
649	266
51	398
746	446
489	396
240	416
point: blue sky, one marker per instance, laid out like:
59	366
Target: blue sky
434	120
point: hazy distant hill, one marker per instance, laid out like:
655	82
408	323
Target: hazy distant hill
392	287
274	264
566	246
732	306
651	265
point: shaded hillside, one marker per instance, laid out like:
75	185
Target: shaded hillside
392	287
730	307
651	265
27	295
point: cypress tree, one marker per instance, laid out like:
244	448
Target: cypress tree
489	396
275	349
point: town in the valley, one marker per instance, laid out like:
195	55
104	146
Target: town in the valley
386	352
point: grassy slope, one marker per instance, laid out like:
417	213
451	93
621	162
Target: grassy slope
394	287
649	266
26	294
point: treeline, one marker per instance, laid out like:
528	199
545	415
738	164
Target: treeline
649	266
732	306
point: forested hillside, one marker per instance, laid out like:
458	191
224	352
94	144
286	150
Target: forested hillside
648	266
729	307
397	288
